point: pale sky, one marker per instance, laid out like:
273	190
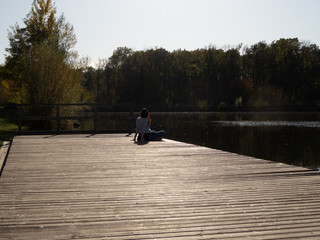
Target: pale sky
103	25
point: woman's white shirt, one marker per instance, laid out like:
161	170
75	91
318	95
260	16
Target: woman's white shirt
142	125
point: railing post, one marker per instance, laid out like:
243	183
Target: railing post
95	119
58	118
20	119
131	124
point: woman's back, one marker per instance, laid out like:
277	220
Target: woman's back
142	125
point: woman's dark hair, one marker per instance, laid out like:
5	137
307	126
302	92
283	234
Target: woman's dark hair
144	113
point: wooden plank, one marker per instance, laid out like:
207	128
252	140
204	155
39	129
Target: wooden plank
3	154
107	187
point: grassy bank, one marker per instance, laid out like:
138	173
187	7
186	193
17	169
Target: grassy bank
8	124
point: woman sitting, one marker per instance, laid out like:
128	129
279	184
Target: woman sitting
143	128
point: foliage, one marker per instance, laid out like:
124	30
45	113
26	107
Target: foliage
283	73
40	62
47	77
8	90
8	124
288	66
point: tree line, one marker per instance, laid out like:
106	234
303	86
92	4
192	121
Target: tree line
41	67
283	73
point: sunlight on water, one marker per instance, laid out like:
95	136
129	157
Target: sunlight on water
307	124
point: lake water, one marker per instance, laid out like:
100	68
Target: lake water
292	138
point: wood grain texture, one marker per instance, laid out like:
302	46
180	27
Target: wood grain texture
107	187
4	149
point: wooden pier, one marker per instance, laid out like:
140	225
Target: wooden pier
107	187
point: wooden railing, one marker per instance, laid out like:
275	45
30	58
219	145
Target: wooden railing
96	112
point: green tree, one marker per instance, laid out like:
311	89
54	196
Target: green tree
40	57
115	82
212	57
309	89
256	64
229	70
47	78
287	67
179	85
8	90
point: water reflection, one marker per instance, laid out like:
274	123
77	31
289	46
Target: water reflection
292	138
